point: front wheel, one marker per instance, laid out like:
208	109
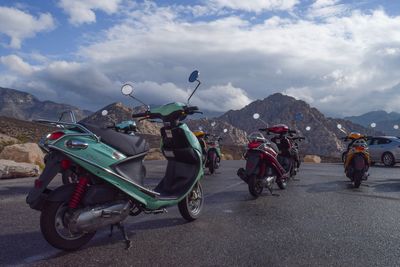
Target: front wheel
190	207
255	186
55	231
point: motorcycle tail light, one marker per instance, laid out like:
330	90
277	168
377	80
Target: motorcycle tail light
65	164
55	136
38	183
253	145
359	148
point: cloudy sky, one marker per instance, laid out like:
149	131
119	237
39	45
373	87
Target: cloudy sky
342	57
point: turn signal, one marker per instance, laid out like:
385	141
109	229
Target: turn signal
55	136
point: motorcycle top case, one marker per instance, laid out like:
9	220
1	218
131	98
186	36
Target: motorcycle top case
278	129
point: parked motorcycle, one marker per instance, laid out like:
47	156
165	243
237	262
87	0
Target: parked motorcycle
213	151
357	159
262	166
288	146
110	186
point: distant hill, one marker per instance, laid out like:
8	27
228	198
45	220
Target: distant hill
384	121
323	139
24	106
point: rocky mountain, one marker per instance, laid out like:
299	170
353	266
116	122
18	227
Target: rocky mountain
24	106
384	121
322	139
233	136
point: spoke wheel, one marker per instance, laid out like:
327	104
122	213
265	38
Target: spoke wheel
191	206
256	186
54	228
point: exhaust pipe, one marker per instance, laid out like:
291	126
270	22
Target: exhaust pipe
92	218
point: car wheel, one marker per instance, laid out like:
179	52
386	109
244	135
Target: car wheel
388	159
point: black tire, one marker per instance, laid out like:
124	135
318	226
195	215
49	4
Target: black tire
388	159
282	183
357	182
344	157
255	186
212	161
191	206
49	218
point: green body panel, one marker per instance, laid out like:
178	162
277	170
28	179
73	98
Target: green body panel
124	124
167	109
98	153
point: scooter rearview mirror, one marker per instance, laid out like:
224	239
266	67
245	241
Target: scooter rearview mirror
127	89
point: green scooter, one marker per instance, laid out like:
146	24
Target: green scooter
108	165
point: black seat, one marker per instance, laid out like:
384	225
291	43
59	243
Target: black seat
129	145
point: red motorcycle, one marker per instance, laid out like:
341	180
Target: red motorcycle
262	166
288	146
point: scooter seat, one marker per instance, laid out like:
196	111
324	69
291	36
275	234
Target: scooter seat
129	145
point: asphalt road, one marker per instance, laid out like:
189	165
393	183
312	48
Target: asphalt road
318	221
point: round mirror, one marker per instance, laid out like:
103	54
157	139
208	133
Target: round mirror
200	128
339	126
127	89
194	76
104	113
308	128
213	123
373	125
396	127
225	130
256	116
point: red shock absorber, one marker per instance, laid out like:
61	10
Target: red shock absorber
79	191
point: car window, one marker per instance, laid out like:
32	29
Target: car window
383	141
372	142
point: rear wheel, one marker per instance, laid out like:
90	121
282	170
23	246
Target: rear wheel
357	182
388	159
282	183
212	162
190	207
255	186
55	231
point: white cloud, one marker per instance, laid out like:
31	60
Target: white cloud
19	25
255	5
17	64
82	11
339	64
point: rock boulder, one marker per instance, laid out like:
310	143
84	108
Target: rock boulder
12	169
28	153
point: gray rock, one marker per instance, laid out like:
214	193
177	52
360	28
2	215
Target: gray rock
12	169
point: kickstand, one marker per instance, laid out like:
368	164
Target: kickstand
124	235
123	232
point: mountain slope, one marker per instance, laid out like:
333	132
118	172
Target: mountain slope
384	121
24	106
323	139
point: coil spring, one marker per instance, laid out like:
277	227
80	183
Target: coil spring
77	196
